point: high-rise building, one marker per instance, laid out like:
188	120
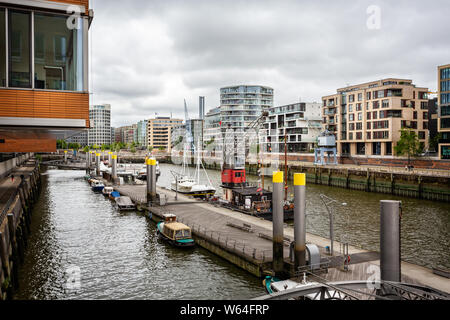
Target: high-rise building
44	56
367	118
100	131
444	110
160	131
300	123
142	132
240	105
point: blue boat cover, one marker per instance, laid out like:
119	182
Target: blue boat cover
115	194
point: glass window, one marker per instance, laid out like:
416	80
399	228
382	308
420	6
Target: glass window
58	53
19	49
2	49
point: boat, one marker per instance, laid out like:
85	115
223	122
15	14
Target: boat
273	285
176	233
124	203
97	186
107	191
186	184
113	195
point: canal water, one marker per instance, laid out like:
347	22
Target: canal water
425	225
81	247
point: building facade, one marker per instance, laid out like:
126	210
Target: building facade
299	123
444	111
43	73
100	130
179	133
367	118
240	105
160	132
141	133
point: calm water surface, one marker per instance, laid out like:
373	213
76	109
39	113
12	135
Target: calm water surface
118	254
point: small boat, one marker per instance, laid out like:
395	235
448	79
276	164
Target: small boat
97	186
113	195
107	191
142	174
272	285
176	233
124	203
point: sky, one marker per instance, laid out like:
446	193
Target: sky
147	56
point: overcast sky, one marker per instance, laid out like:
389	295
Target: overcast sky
149	55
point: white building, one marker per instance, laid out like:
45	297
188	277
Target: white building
100	119
300	123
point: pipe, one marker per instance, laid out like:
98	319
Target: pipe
277	219
109	157
390	240
299	220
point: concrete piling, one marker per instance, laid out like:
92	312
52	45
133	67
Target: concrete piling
65	156
114	167
151	180
299	220
97	163
277	219
109	157
390	240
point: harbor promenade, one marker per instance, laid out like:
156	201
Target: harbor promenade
247	240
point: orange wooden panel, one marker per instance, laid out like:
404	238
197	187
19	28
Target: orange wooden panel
8	104
28	145
25	104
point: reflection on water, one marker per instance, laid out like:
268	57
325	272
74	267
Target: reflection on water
118	254
425	224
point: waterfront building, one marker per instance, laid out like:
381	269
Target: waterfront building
44	92
444	110
142	132
240	105
100	130
299	122
179	132
211	126
367	118
160	131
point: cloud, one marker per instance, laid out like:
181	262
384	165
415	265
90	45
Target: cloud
148	56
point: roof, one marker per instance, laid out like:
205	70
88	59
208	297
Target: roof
176	226
250	191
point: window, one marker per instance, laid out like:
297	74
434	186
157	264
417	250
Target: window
351	126
368	95
369	125
350	108
425	125
19	49
445	152
380	94
421	135
57	53
369	115
360	95
415	115
359	136
445	73
359	116
385	104
388	150
425	115
2	49
358	107
369	135
374	115
351	98
376	104
376	148
351	117
382	114
359	126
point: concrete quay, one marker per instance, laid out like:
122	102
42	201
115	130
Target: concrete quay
17	195
246	241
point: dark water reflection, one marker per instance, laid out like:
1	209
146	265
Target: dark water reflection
118	255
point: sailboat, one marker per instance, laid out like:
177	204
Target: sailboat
191	185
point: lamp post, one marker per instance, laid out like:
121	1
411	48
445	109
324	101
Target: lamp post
330	205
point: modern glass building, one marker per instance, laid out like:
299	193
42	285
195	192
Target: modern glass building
100	131
444	110
240	105
141	133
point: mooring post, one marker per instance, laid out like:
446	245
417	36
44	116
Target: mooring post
97	162
299	220
88	160
114	168
390	240
65	156
109	157
151	180
277	219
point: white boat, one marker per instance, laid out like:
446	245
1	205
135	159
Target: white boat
142	174
124	203
107	191
186	184
97	185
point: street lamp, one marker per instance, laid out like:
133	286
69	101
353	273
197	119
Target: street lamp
330	204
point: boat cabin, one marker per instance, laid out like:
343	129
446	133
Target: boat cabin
175	230
252	198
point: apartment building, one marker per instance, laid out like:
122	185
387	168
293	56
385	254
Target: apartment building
141	133
43	73
300	123
367	118
179	133
160	132
100	131
444	110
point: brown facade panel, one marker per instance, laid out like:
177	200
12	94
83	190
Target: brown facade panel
44	104
28	145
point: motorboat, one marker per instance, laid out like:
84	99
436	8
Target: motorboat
107	191
113	195
97	185
176	233
124	203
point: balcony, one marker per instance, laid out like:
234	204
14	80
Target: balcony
330	112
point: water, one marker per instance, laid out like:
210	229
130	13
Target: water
78	235
425	225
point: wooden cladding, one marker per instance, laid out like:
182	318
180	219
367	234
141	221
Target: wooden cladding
44	104
84	3
28	145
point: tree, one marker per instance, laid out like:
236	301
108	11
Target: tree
434	142
408	144
86	149
162	148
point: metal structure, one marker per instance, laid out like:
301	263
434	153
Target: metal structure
326	146
329	204
359	290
